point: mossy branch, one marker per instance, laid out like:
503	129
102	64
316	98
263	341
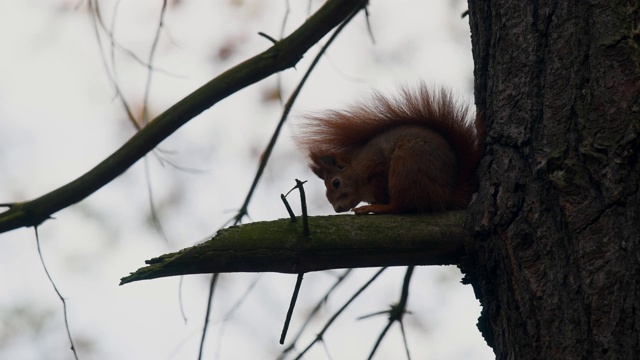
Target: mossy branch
335	242
282	55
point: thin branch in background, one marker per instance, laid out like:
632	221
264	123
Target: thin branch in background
326	350
111	69
233	310
212	287
113	74
315	312
283	26
369	29
402	307
333	318
152	53
177	351
109	30
243	297
64	302
180	302
380	337
112	42
96	20
285	18
396	313
342	73
404	340
155	219
162	156
138	123
285	114
145	118
292	305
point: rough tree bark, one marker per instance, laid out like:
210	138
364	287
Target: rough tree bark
557	216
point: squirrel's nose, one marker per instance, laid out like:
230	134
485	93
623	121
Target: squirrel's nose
339	208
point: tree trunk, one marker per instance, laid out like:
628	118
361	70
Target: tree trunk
557	216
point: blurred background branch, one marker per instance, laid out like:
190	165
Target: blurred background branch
282	55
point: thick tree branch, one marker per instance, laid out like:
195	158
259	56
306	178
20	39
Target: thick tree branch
282	55
335	242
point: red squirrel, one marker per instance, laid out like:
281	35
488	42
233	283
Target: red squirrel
414	153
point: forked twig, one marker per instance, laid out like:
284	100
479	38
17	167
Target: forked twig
396	313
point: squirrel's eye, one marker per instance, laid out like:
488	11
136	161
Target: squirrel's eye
335	183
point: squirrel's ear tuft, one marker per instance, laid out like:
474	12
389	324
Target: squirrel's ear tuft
332	164
319	171
328	161
321	165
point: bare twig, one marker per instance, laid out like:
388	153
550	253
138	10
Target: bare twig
282	29
292	216
339	312
268	37
303	204
152	53
315	311
396	313
232	311
180	302
294	296
155	217
212	287
96	19
144	120
292	305
64	302
305	233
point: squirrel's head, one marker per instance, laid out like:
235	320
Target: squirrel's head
343	191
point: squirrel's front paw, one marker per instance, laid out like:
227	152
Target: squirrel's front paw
376	209
362	210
